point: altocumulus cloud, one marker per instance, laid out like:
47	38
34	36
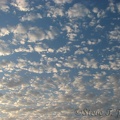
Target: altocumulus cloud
57	57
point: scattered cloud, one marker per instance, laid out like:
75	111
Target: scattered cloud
78	11
58	56
55	12
39	49
21	5
118	7
62	1
115	34
4	32
4	6
31	17
4	48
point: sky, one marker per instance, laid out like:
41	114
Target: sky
58	58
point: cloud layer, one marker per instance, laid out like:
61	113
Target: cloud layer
59	56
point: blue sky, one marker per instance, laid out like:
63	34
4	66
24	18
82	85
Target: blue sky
57	56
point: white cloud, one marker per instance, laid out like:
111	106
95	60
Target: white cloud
79	51
71	30
62	1
90	63
22	49
115	34
19	29
22	5
105	66
7	65
30	17
23	34
64	49
51	33
111	6
101	14
55	12
118	7
95	10
19	34
37	34
78	11
3	5
4	48
39	49
61	77
50	50
4	32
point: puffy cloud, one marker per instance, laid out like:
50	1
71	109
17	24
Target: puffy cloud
22	49
71	30
78	11
118	7
19	29
101	14
50	50
3	5
37	34
4	48
4	32
22	5
95	10
111	6
23	34
115	34
68	73
90	63
62	1
31	17
51	33
64	49
55	12
39	49
79	51
19	34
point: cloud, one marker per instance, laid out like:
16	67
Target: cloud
37	34
95	10
3	5
118	7
64	49
78	11
19	34
62	1
79	52
50	50
22	49
111	6
39	49
30	17
72	31
55	12
90	63
22	5
56	67
23	34
4	32
115	34
4	48
101	14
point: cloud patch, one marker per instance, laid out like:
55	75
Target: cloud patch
22	5
30	17
78	11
